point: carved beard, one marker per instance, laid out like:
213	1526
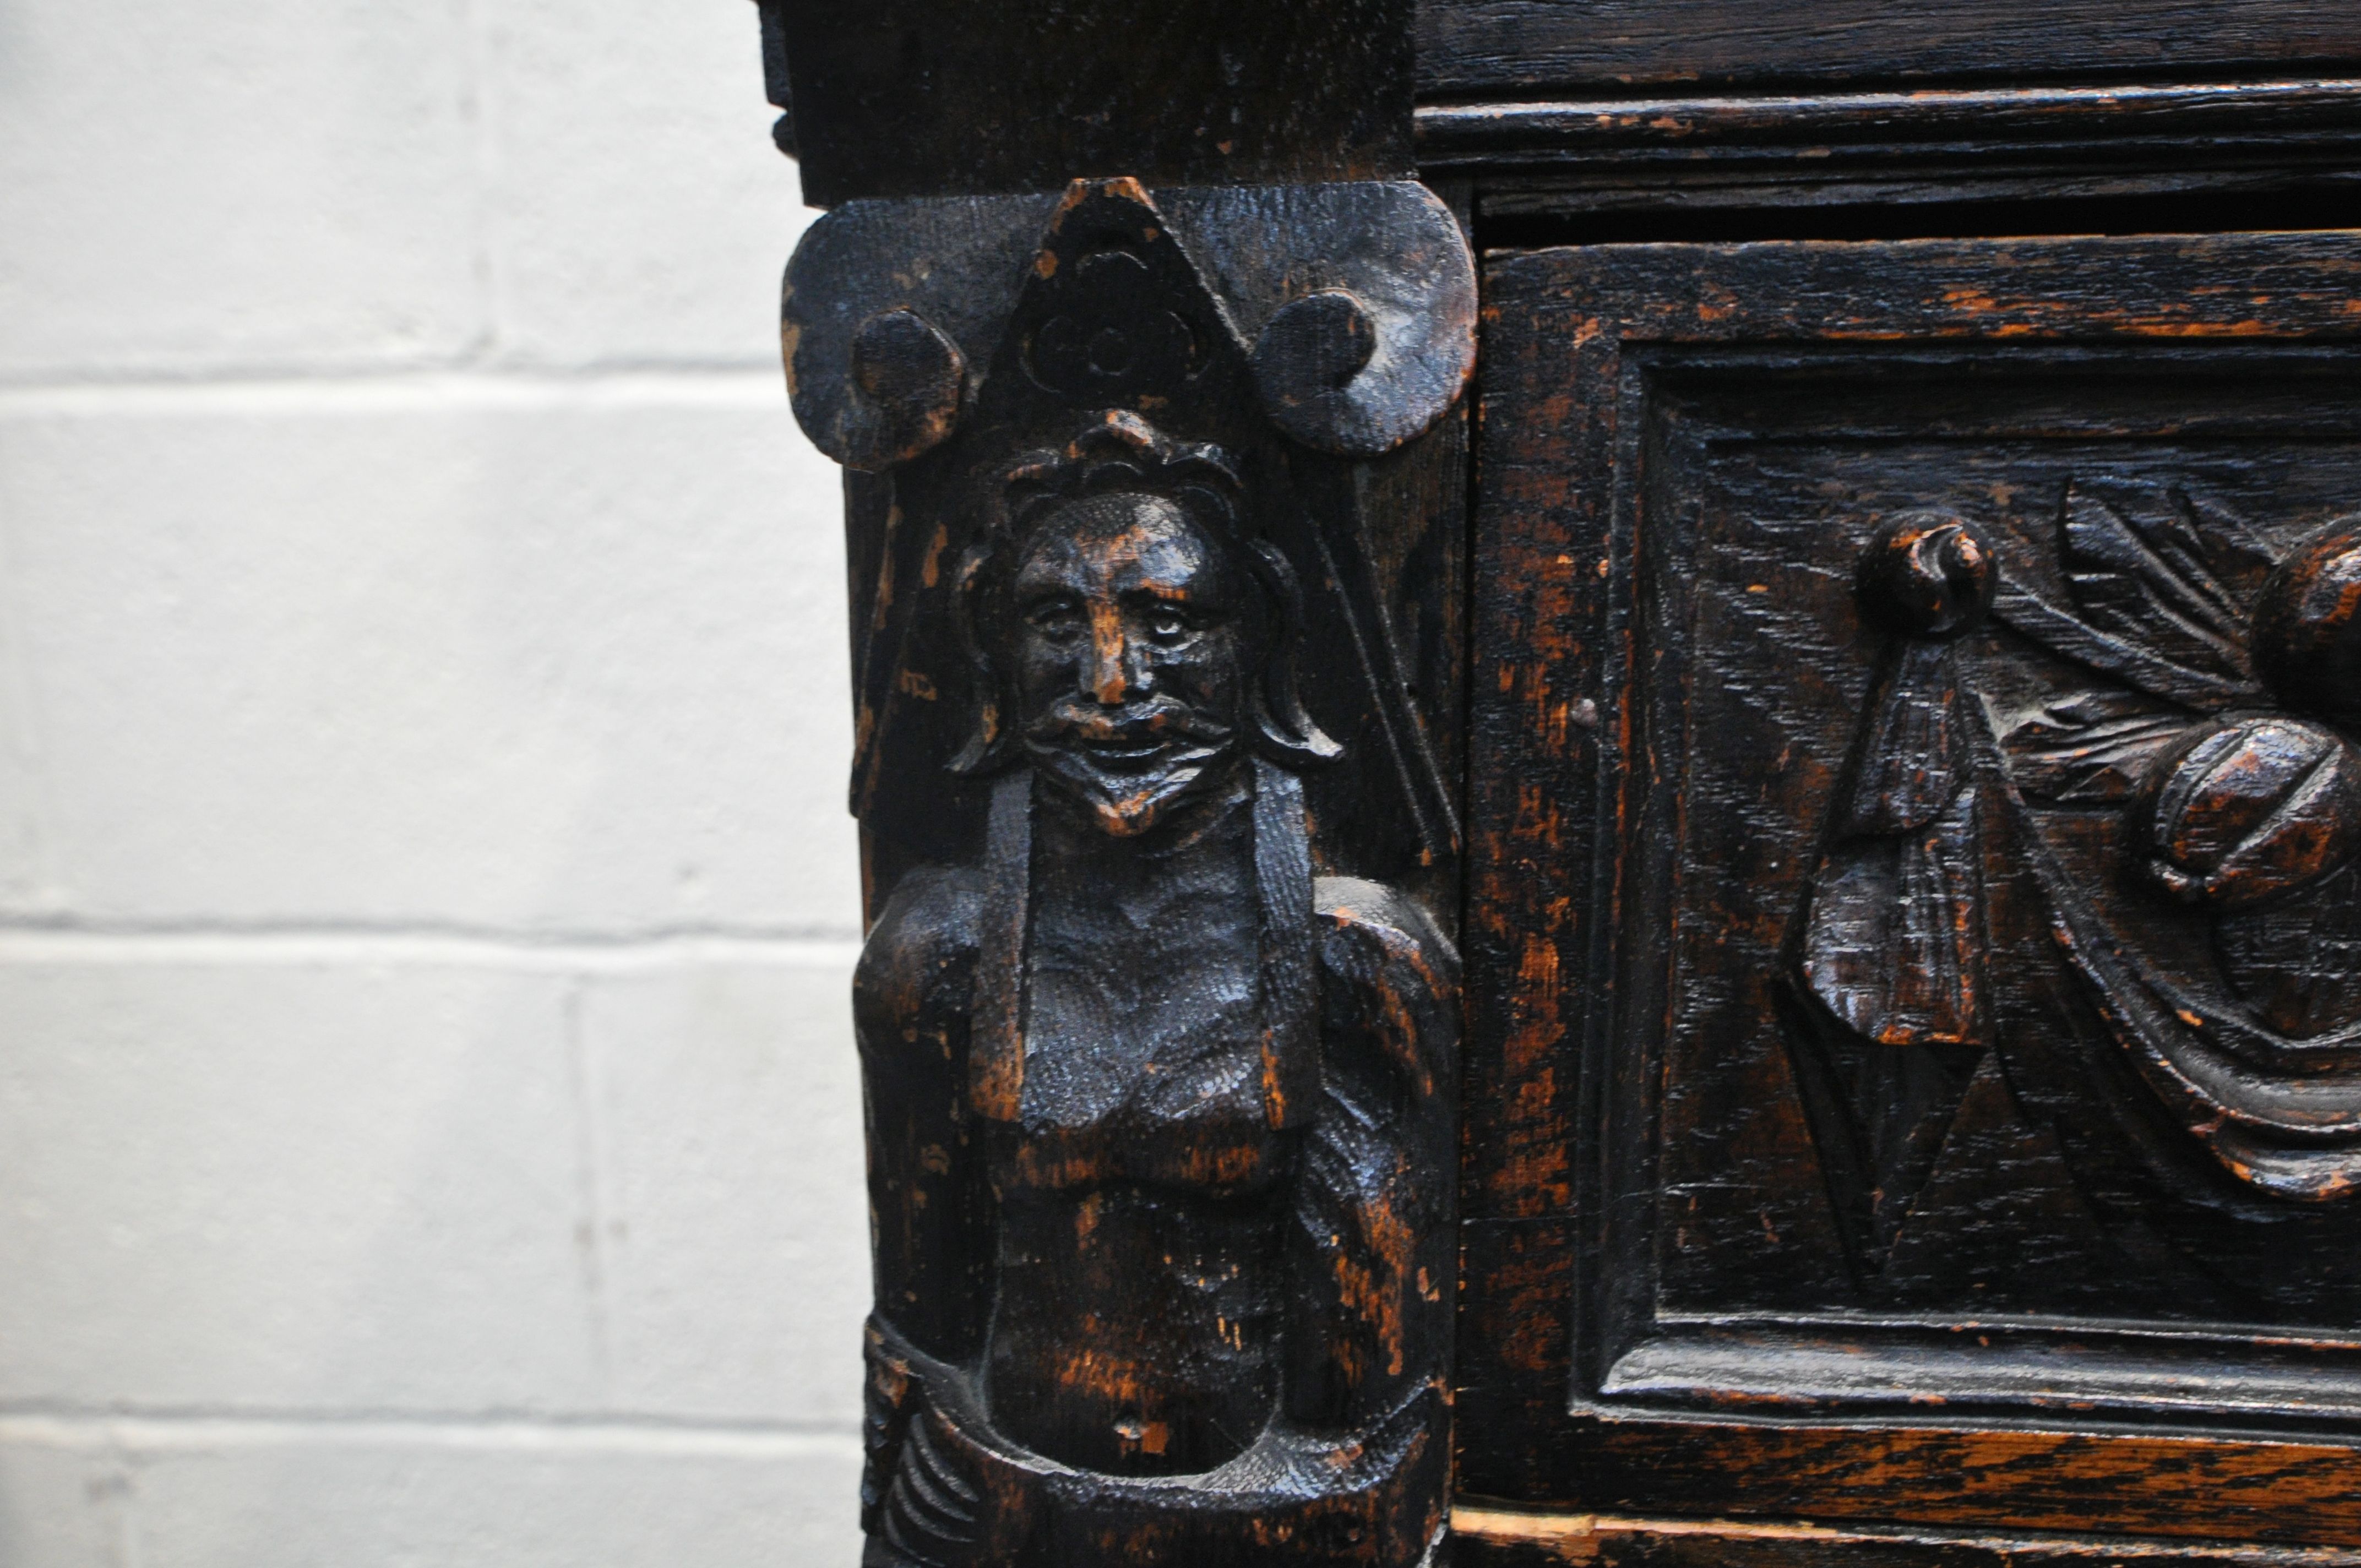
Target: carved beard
1129	767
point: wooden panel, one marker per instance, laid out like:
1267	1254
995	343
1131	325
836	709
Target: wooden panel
1924	146
1491	1538
1476	49
916	97
1863	1123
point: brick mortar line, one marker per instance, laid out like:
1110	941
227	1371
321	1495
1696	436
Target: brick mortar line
164	1429
564	954
750	386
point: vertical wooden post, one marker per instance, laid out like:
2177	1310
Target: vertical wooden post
1145	355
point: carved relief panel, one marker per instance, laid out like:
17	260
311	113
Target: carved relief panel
1916	991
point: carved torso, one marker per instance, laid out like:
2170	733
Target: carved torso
1206	1236
1145	1169
1143	1018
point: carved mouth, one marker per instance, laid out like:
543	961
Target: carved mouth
1122	750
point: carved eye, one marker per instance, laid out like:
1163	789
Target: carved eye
1166	624
1057	620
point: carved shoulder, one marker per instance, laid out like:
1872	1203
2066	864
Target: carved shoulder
931	1228
1370	931
918	968
1389	975
1373	1217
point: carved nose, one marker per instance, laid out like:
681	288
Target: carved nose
1109	676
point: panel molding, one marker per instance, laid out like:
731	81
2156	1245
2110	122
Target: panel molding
1618	151
1483	1537
1561	1136
1532	48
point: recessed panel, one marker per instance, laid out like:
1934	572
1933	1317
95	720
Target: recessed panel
1918	815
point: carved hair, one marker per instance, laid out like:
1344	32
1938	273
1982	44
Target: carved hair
1120	452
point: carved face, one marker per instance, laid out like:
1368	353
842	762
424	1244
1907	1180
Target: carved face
1126	655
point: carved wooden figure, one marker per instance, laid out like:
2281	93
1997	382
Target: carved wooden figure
1156	1113
1890	687
1156	683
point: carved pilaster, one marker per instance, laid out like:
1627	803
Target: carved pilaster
1154	514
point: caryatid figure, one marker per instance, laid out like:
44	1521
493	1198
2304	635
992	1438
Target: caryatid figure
1161	1127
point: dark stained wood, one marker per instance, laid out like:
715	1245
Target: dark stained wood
1894	711
1794	1090
1489	1538
2127	119
1924	147
917	97
1526	49
1155	516
1160	1120
1377	542
2294	1492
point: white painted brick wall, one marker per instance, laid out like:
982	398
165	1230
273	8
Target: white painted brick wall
429	1129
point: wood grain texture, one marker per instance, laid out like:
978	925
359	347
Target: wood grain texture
1685	451
1160	1109
1934	144
2199	1489
1998	119
1815	1161
1491	1538
916	97
1155	693
1499	48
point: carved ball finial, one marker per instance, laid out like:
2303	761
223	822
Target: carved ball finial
2251	810
1930	574
2307	635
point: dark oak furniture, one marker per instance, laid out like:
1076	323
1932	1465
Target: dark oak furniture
1649	854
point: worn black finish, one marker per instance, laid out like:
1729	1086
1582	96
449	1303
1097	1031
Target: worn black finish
1904	749
920	97
1530	50
1155	531
1889	1010
1358	297
1933	159
1157	1112
1374	545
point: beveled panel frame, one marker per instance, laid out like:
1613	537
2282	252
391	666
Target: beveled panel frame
1577	1391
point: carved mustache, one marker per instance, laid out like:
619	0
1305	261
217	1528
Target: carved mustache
1151	722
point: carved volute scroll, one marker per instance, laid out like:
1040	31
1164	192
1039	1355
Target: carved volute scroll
1153	538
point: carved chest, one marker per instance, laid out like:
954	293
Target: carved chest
1611	768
